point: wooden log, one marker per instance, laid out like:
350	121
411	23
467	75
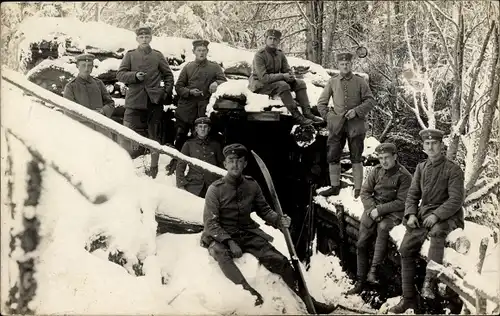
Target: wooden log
343	239
481	302
167	224
458	241
352	221
352	232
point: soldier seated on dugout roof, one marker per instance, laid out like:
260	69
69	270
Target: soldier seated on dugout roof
272	75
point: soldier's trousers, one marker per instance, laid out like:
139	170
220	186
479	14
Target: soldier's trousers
186	113
265	253
381	231
410	248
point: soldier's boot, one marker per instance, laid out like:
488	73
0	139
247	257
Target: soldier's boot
303	100
290	104
258	298
152	172
429	287
359	286
404	305
334	171
234	274
178	142
357	174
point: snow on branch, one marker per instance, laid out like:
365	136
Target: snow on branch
441	35
483	191
447	17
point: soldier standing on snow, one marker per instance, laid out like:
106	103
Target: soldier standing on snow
201	147
230	231
150	81
352	101
433	208
383	196
272	75
88	91
197	81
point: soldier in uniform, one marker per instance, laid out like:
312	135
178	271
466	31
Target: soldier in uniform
89	92
433	209
150	81
197	81
272	75
201	147
383	196
352	101
230	231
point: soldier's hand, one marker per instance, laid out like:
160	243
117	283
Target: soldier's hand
213	87
285	221
195	92
289	77
430	221
350	114
374	214
235	249
412	221
140	75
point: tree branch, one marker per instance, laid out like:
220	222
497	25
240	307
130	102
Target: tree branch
274	19
304	15
293	33
441	35
442	13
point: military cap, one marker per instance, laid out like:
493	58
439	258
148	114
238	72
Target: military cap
386	148
273	32
431	133
202	120
197	43
235	149
144	30
344	57
85	57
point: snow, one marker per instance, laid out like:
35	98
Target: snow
68	65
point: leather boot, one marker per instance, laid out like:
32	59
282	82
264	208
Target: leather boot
357	174
172	165
289	102
403	305
152	172
258	298
306	111
429	287
372	275
359	286
334	171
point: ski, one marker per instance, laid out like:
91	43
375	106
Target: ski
288	238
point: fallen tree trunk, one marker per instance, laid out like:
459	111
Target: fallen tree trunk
168	224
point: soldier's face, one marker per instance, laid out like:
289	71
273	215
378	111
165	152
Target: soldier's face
345	66
432	147
202	130
144	39
235	165
200	52
85	67
387	160
272	41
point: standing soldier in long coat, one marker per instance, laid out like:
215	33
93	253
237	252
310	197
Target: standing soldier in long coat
196	83
383	196
201	147
230	231
352	101
433	209
89	92
272	75
150	81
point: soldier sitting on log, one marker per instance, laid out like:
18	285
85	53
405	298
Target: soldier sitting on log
433	209
201	147
230	231
272	75
144	69
197	81
383	196
352	101
89	92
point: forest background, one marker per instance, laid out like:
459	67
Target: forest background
431	63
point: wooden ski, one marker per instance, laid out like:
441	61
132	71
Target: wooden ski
288	238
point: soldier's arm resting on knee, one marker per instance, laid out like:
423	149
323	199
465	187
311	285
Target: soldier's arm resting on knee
323	100
167	75
211	216
124	73
181	84
107	101
456	195
263	209
181	167
259	66
414	194
367	100
398	204
367	190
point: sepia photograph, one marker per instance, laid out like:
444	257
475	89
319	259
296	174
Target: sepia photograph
250	157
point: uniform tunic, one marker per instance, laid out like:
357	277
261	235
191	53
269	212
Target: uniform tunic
195	75
268	67
197	179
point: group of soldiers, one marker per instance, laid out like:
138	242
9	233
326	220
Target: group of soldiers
428	204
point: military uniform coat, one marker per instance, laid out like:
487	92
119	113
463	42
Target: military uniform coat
268	66
348	92
154	64
204	149
91	93
228	205
437	188
196	75
386	191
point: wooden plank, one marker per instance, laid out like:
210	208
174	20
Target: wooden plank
267	116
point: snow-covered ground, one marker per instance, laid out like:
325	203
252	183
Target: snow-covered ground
82	165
